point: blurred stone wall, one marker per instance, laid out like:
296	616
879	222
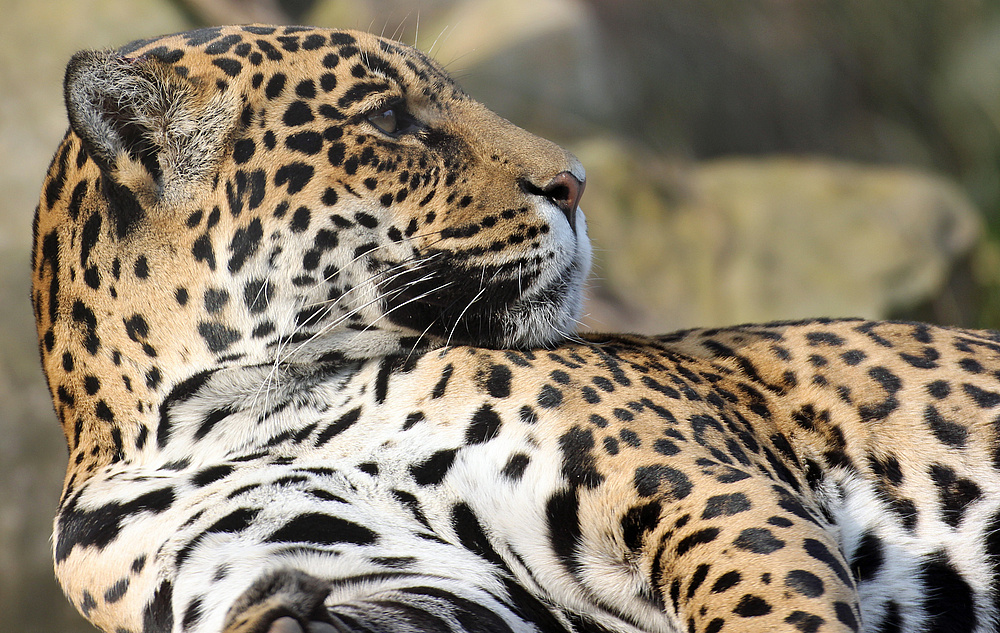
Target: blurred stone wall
747	160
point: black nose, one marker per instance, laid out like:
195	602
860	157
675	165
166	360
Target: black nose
565	191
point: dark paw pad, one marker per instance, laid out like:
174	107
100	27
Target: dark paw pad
283	602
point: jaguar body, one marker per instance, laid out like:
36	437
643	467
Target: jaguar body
307	313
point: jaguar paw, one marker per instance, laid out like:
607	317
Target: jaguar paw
285	601
288	624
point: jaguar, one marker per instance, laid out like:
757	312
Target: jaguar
308	315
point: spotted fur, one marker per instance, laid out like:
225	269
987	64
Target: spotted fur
306	314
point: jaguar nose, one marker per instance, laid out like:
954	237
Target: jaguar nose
565	191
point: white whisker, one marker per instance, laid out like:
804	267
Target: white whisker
401	27
430	51
351	313
419	338
408	301
482	289
375	278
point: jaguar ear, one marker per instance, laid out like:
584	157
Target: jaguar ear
145	125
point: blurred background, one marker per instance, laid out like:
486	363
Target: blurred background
747	160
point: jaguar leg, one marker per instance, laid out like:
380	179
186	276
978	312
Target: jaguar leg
778	568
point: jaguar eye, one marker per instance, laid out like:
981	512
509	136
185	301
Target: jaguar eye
385	120
392	119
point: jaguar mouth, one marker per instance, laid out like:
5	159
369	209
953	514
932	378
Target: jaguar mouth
492	306
456	303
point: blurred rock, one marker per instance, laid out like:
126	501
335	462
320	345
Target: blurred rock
967	97
752	240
